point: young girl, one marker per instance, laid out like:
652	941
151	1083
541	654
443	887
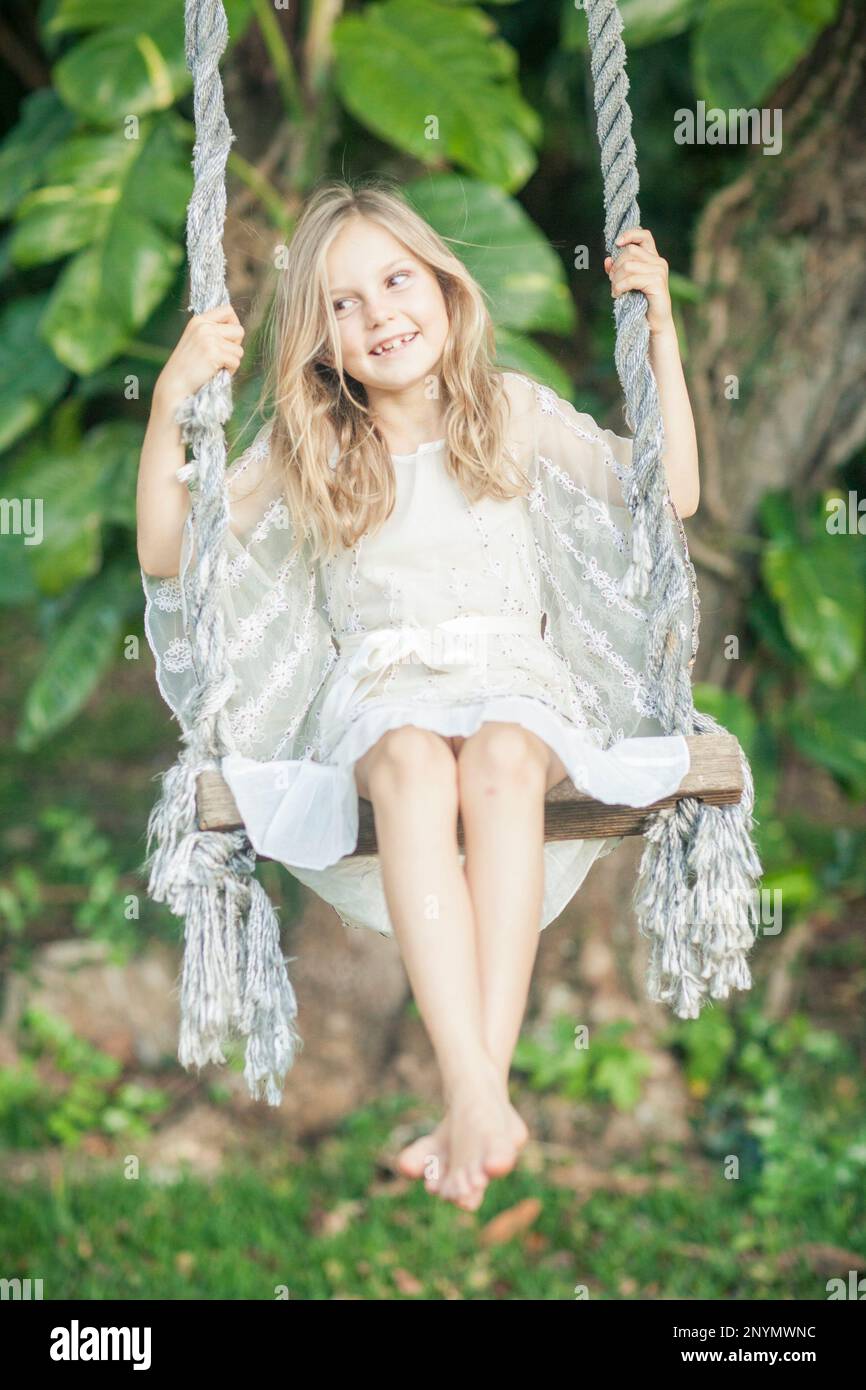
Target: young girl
422	607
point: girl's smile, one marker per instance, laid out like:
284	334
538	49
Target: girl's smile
386	347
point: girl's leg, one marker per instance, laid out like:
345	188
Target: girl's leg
503	774
410	776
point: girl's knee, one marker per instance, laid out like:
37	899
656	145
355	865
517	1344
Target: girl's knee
409	758
502	753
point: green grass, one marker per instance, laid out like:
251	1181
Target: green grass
338	1224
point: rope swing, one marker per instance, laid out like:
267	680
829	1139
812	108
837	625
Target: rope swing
694	898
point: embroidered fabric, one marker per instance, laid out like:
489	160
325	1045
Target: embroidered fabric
571	668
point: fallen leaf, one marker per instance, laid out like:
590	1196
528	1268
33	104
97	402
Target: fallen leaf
510	1223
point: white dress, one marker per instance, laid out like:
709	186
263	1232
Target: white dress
437	620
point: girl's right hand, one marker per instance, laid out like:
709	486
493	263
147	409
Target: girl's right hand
210	341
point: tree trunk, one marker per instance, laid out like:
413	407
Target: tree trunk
780	255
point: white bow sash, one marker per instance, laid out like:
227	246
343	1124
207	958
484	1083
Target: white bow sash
444	646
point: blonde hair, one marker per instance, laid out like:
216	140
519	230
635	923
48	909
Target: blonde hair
317	405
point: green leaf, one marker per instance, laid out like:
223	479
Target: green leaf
778	515
625	1086
742	50
644	21
439	83
684	289
829	726
819	590
31	378
736	715
16	575
133	60
62	490
764	619
796	885
79	487
79	654
730	709
43	123
509	257
117	444
521	354
123	202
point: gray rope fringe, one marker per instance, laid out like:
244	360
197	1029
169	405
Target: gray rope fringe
696	893
234	979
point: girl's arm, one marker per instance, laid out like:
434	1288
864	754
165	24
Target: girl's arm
210	341
162	503
642	268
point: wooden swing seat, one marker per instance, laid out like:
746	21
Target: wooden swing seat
715	776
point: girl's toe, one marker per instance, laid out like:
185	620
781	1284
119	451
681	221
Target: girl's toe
435	1171
412	1160
499	1159
462	1185
473	1202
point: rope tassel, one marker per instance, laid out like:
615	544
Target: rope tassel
695	898
234	981
269	1006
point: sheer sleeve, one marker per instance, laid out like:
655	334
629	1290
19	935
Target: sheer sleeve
277	635
583	535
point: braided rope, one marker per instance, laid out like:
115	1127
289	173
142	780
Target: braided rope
234	974
695	894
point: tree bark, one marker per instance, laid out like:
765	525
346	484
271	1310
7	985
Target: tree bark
780	256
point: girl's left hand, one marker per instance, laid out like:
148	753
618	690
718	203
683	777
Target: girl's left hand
642	268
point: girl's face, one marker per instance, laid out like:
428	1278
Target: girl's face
381	294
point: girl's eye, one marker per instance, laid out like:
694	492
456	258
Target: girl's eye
395	274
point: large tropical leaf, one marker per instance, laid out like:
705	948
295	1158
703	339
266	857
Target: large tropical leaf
132	60
78	655
31	378
43	123
120	204
505	251
829	726
743	48
644	21
17	585
523	355
65	488
81	486
818	587
117	445
436	81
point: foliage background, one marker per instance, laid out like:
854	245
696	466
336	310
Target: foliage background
626	1187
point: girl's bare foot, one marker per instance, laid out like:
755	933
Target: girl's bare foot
484	1137
426	1157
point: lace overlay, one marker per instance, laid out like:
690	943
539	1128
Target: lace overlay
551	561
